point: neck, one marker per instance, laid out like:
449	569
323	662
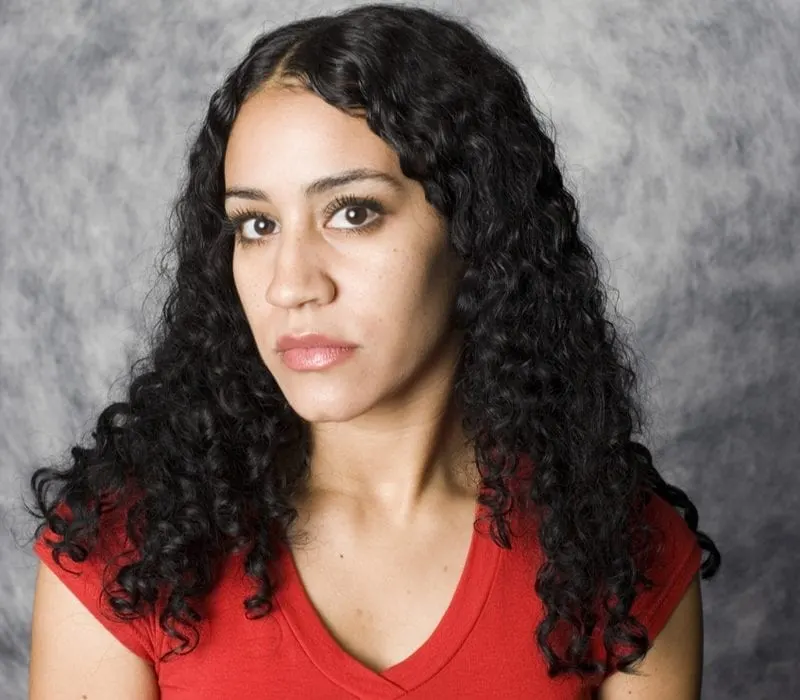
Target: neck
396	462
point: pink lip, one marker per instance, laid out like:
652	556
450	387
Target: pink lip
315	358
310	340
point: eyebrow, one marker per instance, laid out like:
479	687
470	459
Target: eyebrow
321	185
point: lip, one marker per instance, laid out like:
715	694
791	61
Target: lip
310	340
315	358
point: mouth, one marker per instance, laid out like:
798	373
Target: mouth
310	340
315	358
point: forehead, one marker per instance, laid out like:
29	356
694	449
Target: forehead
295	136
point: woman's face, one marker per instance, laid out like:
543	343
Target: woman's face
381	278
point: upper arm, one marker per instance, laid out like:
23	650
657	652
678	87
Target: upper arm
672	668
74	656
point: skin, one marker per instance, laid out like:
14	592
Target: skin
74	657
390	290
673	667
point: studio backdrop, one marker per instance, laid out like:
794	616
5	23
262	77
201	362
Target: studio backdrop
678	129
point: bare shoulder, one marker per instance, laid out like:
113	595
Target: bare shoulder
73	655
672	668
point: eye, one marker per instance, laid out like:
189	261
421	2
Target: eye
356	215
248	226
347	205
255	227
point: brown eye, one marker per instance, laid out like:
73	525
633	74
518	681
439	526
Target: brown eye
255	227
356	215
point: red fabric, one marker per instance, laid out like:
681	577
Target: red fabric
483	647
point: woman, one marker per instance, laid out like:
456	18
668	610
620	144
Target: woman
382	444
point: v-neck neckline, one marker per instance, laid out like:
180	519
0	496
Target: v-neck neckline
454	627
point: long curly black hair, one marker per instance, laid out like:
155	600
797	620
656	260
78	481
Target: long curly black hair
205	454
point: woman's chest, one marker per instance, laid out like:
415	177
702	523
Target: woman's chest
483	646
382	599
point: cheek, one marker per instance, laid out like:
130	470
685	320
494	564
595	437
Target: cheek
408	302
243	277
438	284
247	289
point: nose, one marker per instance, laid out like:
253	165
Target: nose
297	273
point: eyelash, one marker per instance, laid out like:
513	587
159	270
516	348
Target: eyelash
233	224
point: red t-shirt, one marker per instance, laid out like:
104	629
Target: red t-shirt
483	647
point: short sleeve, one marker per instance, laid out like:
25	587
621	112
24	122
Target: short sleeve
675	564
85	580
676	560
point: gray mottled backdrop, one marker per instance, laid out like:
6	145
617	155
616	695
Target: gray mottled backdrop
679	128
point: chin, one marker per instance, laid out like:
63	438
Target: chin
318	404
313	412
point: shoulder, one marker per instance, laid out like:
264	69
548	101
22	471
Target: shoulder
672	667
73	652
670	611
90	580
675	559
